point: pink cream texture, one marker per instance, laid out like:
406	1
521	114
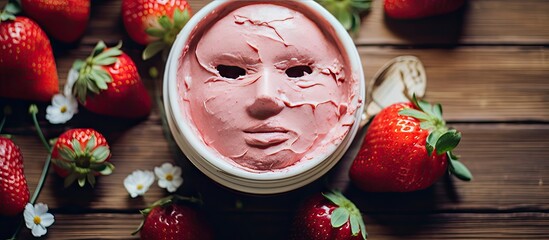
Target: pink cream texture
289	99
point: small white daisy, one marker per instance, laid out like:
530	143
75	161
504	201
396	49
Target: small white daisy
138	182
37	218
62	109
169	176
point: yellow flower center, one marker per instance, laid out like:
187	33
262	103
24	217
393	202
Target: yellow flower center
169	177
139	186
63	109
37	220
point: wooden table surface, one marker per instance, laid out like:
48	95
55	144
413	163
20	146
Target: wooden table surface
488	64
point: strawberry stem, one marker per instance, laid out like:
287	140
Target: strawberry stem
7	111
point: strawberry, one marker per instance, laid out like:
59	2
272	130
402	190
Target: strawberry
410	9
407	147
328	216
14	192
27	66
64	20
81	154
154	22
108	83
167	220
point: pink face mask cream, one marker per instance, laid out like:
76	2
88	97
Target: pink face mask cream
263	97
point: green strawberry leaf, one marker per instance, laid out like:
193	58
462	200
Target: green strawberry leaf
91	179
355	226
100	154
66	153
458	169
77	65
153	48
155	32
361	5
91	143
432	140
334	198
339	217
98	48
437	109
415	114
165	22
362	228
81	181
180	18
109	168
447	141
70	179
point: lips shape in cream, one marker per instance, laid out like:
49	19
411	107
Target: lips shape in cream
265	88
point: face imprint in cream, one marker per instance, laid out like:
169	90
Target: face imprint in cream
265	88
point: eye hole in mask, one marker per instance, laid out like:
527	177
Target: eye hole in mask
232	72
298	71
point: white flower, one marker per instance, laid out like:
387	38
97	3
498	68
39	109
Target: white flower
169	176
62	109
138	182
37	218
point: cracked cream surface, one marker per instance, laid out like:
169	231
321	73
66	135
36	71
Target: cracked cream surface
266	118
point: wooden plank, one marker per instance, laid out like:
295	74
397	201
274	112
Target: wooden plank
479	22
508	162
490	22
277	225
478	83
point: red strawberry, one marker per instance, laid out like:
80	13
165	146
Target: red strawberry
112	78
14	192
81	154
328	216
410	9
154	22
407	147
27	66
168	220
64	20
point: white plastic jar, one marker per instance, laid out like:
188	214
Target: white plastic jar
206	159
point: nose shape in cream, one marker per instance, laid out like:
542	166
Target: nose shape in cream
266	102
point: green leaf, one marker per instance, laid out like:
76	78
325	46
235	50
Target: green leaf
155	32
76	147
109	168
91	179
334	198
66	153
437	109
12	8
427	125
81	181
339	217
459	170
361	5
415	114
91	143
70	179
447	141
153	48
77	65
91	85
355	226
430	148
98	48
180	18
345	18
105	61
109	53
100	154
432	140
165	22
362	228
